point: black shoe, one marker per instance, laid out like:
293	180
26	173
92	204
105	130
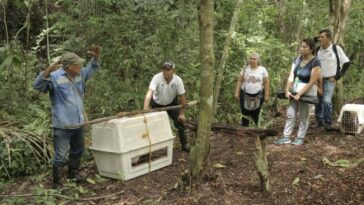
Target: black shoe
57	175
73	170
328	128
186	147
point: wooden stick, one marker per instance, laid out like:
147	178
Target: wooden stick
64	196
135	112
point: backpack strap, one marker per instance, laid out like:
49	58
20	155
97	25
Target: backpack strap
337	59
296	62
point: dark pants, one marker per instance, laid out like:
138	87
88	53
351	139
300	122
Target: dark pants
254	114
67	140
174	115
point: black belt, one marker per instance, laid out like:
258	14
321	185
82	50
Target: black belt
327	78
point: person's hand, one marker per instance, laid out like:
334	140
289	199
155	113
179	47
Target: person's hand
332	79
237	96
296	97
95	52
288	94
54	67
182	117
51	68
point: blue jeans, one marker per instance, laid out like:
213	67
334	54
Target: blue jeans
71	140
323	110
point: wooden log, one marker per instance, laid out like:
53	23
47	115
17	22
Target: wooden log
235	130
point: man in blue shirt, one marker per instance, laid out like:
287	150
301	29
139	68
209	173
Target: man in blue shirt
66	85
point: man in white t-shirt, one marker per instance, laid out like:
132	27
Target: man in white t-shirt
329	66
167	89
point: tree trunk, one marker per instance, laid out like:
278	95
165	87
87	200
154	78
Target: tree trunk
225	53
261	162
3	3
339	12
200	151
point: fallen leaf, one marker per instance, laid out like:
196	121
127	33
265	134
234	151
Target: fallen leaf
295	181
318	176
91	181
219	166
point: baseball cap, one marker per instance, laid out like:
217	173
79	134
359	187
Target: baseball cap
168	64
72	59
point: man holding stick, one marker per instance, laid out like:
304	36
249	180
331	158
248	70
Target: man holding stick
66	85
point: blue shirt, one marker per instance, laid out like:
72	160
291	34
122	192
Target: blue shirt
66	96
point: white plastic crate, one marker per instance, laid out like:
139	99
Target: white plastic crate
351	118
116	143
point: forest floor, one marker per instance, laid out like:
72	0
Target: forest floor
297	176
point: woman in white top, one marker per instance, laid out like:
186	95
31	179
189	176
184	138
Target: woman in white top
252	88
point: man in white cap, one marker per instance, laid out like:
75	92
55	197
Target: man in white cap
66	85
167	89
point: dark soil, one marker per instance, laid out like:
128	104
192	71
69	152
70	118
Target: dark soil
237	182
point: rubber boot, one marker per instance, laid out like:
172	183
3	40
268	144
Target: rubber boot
183	139
57	175
73	170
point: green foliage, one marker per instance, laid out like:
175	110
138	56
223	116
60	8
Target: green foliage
22	153
45	196
14	201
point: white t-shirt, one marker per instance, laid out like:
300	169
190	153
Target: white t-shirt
328	61
253	79
165	93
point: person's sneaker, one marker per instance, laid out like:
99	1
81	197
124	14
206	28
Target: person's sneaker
283	140
319	125
298	141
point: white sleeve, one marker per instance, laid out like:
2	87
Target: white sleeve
242	72
154	83
342	56
180	87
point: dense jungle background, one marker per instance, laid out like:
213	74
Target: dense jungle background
136	37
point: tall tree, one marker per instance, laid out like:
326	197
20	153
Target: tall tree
225	53
339	12
201	149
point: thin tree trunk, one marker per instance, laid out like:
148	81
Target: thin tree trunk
225	53
4	2
339	12
261	162
200	151
26	51
47	33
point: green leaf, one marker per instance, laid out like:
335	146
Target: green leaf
91	181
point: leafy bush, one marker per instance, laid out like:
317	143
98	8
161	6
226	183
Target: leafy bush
21	152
